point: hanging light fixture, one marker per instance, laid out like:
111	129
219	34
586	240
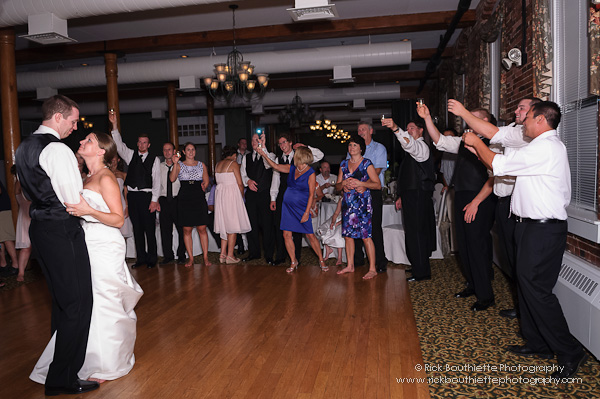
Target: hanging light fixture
236	77
296	113
86	124
324	125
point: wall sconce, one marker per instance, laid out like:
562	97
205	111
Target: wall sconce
514	57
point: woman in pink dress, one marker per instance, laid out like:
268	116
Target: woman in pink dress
231	217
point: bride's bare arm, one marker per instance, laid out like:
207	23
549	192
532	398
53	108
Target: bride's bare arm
109	189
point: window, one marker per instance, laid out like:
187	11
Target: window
579	125
195	129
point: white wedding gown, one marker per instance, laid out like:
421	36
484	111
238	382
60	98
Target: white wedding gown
109	353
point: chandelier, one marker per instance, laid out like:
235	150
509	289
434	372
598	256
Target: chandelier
324	125
296	113
236	76
86	124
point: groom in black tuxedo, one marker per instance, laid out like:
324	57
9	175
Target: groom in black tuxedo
49	176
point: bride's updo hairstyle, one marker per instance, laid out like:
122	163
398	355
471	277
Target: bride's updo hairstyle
108	145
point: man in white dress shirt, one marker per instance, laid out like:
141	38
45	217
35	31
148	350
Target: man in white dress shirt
256	176
242	150
325	180
416	183
48	172
541	195
168	209
143	189
503	188
278	187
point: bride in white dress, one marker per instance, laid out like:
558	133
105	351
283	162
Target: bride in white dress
109	353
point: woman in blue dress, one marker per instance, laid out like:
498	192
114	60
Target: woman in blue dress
356	178
297	202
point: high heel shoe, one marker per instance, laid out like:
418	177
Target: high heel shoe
223	258
323	266
293	267
231	260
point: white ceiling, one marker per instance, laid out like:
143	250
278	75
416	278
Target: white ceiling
251	13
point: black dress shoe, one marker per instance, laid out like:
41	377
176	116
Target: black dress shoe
269	262
467	292
249	258
413	278
181	261
80	386
278	262
524	350
151	265
482	305
568	370
12	271
166	261
137	264
509	313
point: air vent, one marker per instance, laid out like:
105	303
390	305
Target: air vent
47	29
310	10
578	280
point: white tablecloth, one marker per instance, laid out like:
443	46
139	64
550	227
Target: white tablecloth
389	216
212	244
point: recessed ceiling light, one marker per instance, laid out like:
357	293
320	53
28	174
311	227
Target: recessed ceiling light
184	56
84	64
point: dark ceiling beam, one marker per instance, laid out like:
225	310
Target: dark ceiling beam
263	34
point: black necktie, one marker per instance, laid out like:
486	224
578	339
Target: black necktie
169	184
286	160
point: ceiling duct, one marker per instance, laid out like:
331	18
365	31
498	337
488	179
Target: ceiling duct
16	12
359	103
285	61
47	29
317	97
342	74
310	10
189	83
42	93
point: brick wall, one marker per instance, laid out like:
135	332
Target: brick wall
514	84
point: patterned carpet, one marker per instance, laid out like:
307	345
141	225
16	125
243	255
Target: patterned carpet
462	350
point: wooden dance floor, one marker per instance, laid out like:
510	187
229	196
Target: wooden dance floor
236	331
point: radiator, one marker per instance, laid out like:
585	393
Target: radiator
578	290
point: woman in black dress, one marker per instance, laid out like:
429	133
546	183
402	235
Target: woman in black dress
192	210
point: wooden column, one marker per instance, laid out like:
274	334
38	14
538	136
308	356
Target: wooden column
112	85
11	130
210	124
173	127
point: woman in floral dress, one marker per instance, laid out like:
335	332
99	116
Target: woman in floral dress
356	178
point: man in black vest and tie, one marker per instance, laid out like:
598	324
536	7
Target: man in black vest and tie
278	187
168	209
143	189
415	185
256	175
474	207
48	172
